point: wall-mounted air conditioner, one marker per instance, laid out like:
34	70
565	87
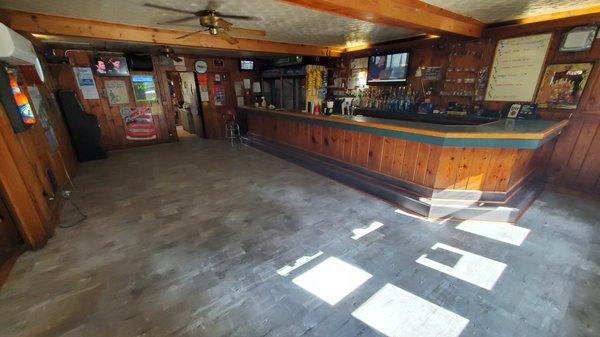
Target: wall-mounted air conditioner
17	50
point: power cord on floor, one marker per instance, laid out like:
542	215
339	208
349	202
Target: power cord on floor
67	196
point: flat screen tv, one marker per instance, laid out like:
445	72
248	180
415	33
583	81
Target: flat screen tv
246	65
390	68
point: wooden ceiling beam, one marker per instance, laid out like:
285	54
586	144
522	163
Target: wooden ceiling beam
58	25
411	14
532	24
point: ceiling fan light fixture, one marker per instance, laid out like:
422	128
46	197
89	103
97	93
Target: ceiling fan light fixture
208	20
213	31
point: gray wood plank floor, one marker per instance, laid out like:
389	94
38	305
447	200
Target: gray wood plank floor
193	239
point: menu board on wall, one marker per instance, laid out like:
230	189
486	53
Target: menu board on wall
517	67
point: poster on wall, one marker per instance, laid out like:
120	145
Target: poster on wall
86	83
143	88
238	88
219	95
40	108
562	85
202	80
517	67
116	91
139	123
110	65
256	87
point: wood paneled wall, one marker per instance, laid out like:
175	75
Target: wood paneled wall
212	118
432	166
575	157
25	157
111	123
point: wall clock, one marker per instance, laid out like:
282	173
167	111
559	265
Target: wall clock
200	67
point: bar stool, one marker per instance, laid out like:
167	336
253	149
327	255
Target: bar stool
232	128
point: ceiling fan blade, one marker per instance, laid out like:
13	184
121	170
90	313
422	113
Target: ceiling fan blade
183	25
228	38
203	12
169	8
245	31
224	24
188	18
190	33
238	17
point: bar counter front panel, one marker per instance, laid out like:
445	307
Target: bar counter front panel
415	157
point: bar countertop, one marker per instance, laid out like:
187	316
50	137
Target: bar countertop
509	133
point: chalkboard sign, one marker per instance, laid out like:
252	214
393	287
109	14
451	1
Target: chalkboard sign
517	67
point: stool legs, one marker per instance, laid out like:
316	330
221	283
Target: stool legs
232	132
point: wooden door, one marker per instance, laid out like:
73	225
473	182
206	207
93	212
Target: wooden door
10	240
221	100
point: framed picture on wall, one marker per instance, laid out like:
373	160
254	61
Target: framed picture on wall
144	89
110	65
578	39
116	91
563	84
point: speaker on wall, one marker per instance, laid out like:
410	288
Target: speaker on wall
139	62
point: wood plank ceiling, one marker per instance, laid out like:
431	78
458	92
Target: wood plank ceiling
305	27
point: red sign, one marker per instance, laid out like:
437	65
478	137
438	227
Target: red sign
139	124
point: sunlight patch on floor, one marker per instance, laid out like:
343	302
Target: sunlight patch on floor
360	232
286	270
472	268
500	231
398	313
332	280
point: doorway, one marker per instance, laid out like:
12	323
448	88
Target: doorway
183	93
200	101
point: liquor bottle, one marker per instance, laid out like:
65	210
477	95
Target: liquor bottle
25	110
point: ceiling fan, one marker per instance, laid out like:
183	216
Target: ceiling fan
210	21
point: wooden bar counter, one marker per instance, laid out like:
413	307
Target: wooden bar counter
491	171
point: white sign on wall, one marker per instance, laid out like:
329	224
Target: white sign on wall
86	83
517	67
